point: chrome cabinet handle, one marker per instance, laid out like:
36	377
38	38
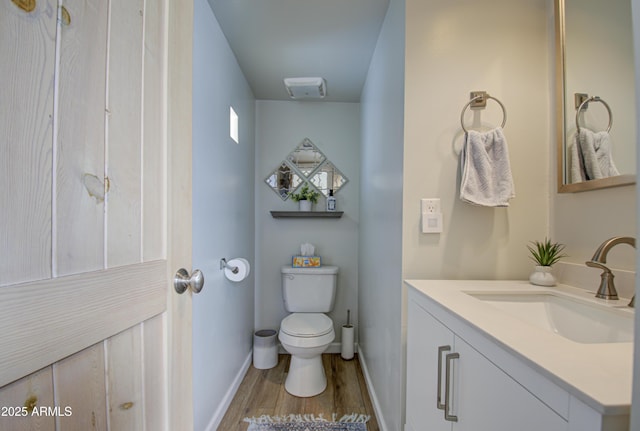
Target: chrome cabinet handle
447	386
441	349
182	281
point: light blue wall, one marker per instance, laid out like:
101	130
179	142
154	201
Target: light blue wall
335	129
223	217
380	245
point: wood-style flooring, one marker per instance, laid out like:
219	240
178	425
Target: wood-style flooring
262	393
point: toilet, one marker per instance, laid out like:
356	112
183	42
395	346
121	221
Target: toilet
308	293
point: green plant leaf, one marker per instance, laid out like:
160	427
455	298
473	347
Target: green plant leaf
306	193
546	253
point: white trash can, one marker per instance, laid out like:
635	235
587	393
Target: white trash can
265	349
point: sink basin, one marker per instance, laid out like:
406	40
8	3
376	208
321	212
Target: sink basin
582	322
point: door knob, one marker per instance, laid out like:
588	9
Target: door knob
182	281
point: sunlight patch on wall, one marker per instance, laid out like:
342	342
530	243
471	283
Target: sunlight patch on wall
233	125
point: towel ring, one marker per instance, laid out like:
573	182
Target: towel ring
504	111
594	99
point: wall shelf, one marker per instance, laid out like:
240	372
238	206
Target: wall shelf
306	214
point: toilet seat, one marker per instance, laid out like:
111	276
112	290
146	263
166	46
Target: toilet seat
306	325
306	330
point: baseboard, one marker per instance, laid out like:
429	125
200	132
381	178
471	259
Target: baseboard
215	421
337	348
372	393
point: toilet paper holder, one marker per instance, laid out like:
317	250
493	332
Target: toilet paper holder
224	264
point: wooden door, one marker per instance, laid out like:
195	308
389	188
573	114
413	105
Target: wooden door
95	214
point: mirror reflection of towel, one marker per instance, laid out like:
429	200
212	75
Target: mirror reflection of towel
577	173
486	171
591	156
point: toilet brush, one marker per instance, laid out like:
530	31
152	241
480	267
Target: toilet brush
347	339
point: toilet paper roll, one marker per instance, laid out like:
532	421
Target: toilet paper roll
243	269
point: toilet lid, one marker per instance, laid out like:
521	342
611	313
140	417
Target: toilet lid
306	324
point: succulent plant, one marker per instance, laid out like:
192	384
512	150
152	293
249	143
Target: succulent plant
546	253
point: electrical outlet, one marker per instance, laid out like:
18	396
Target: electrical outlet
431	215
430	206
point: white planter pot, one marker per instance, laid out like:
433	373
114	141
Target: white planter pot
542	276
304	205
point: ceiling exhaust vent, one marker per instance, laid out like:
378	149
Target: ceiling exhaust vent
306	88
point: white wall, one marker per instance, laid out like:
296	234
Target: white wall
223	217
501	47
582	221
380	263
335	129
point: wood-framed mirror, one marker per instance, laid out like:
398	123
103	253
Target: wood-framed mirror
594	57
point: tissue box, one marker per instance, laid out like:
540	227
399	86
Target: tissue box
306	262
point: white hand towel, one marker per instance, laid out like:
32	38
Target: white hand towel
486	171
596	153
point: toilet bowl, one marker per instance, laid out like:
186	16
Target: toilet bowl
308	293
305	336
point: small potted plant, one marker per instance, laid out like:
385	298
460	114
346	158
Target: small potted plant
544	254
305	197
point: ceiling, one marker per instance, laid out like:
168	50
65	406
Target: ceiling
277	39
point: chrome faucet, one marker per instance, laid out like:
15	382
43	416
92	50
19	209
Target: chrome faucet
607	289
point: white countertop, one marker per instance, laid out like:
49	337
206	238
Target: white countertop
598	374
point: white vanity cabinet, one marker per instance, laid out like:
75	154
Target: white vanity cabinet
452	386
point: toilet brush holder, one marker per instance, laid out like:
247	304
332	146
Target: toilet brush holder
347	342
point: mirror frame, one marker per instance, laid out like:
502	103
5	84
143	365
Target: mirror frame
620	180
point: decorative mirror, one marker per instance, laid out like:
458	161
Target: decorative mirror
306	163
306	157
328	177
283	180
595	79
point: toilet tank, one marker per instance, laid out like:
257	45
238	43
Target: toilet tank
309	290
